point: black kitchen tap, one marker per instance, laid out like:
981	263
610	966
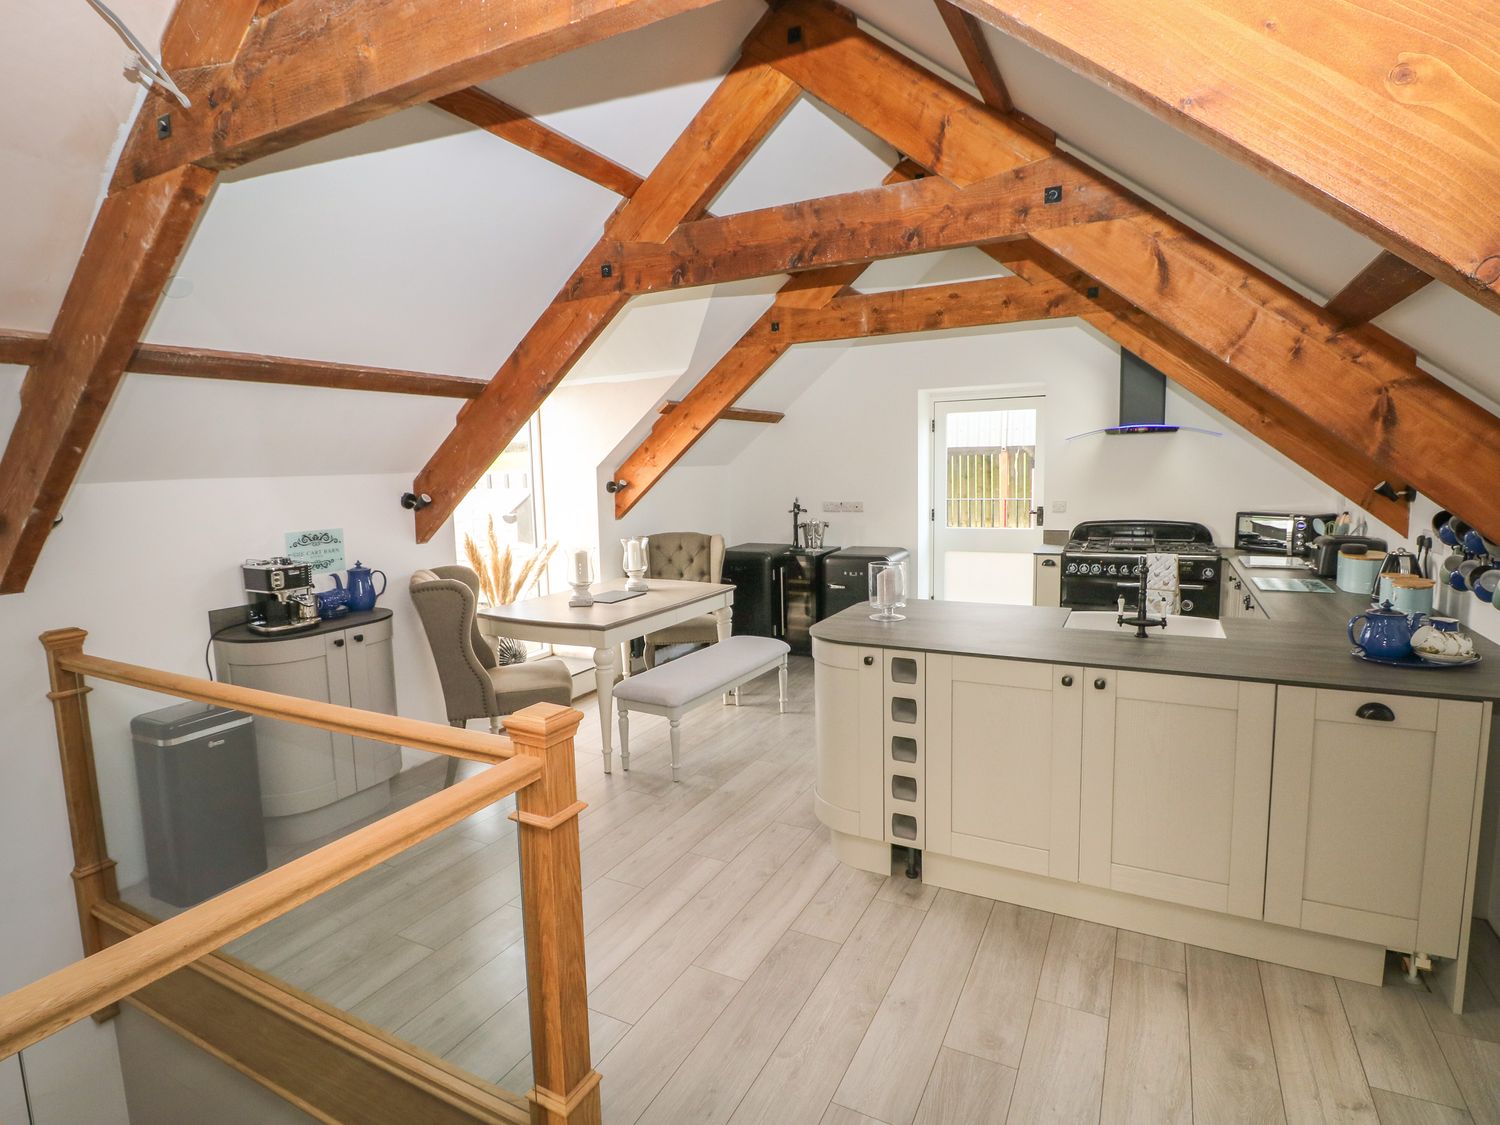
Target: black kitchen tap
1142	621
796	510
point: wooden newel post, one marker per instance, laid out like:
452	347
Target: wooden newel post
566	1088
93	870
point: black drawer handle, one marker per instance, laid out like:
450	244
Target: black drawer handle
339	643
359	636
1049	562
1067	681
869	660
1100	684
1376	712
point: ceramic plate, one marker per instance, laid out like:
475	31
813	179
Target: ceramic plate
1447	661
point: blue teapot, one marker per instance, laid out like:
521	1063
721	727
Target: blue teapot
1387	632
362	592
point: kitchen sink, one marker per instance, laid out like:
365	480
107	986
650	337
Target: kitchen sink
1177	624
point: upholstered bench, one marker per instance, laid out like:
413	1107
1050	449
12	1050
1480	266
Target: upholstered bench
676	688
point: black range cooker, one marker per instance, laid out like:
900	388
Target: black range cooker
1103	560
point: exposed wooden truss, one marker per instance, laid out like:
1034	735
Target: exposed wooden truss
103	314
1367	396
519	128
27	348
979	60
1380	287
733	414
745	106
310	69
1317	95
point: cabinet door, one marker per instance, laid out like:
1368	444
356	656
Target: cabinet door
1176	787
301	768
1371	809
847	692
1003	741
1046	580
372	687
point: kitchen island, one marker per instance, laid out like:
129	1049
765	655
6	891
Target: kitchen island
1265	794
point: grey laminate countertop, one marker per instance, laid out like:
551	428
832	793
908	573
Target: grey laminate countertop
1311	655
1332	610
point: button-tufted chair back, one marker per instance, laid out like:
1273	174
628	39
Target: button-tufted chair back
688	555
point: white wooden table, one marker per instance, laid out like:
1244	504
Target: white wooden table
605	628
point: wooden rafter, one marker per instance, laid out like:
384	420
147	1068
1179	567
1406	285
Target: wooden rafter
734	414
745	106
1318	96
27	348
310	69
857	227
968	36
1380	287
1352	383
137	238
519	128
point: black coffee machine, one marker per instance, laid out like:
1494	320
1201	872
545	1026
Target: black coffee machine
279	591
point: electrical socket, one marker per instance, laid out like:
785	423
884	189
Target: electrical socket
854	505
832	506
1059	506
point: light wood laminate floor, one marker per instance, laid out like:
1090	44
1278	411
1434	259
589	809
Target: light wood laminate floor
738	973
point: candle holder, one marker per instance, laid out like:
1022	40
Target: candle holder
635	562
887	590
581	578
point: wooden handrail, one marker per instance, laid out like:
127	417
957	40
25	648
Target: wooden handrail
454	742
37	1010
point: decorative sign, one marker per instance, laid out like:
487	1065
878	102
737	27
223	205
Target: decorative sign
323	549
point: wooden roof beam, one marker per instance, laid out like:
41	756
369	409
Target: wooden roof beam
744	107
1380	287
967	34
310	69
733	414
505	121
27	348
1376	111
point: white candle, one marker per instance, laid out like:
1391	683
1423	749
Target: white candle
582	569
633	559
886	588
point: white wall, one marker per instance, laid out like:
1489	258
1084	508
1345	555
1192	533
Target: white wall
856	434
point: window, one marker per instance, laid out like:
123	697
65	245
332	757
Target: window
991	468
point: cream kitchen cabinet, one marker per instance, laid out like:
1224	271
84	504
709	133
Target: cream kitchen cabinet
304	771
1176	782
1046	578
1372	806
847	704
1003	741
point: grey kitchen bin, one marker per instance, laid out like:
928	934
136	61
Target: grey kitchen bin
199	782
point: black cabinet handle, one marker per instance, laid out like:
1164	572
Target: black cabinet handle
869	660
1376	712
1049	562
359	636
339	643
1100	684
1067	681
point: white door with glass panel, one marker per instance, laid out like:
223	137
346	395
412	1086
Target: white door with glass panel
986	498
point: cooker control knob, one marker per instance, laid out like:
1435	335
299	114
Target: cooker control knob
1072	568
1208	572
1112	569
1096	569
1137	570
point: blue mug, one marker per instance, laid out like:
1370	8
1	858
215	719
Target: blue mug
333	603
1474	543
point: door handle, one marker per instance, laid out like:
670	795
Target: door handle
1049	562
1376	712
836	586
339	643
359	637
1067	681
1039	514
1100	684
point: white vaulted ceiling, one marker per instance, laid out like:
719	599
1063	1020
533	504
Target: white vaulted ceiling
419	242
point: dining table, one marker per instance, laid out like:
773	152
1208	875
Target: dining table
609	627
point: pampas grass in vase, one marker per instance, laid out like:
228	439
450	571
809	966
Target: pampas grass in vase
503	580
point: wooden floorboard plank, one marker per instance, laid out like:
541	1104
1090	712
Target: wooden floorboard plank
642	978
714	1077
456	1014
802	1074
1396	1109
1476	1065
1234	1063
751	934
1395	1043
1147	1061
608	947
1481	1014
604	1033
1321	1076
994	1008
1079	967
839	904
1061	1079
889	1072
1148	950
965	1090
651	1051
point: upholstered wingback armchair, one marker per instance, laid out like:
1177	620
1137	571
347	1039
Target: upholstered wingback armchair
692	557
475	685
